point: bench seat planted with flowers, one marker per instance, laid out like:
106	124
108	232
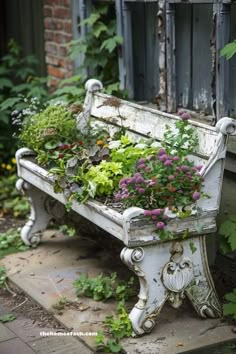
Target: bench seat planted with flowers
169	200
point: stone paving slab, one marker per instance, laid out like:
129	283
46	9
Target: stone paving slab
15	346
47	273
59	345
5	333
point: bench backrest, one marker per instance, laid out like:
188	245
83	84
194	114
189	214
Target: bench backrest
147	122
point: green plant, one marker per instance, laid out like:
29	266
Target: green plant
11	200
7	318
18	80
99	47
229	50
118	327
227	233
104	287
3	277
46	130
10	242
229	309
68	230
167	181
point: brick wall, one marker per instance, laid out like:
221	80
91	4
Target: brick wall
57	33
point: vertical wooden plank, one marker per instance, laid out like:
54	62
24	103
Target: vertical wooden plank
183	55
201	57
161	99
128	49
120	32
222	65
170	57
232	66
78	28
139	50
152	49
38	34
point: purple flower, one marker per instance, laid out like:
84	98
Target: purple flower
184	168
199	167
171	178
147	213
156	212
141	190
185	116
141	166
123	185
123	180
149	158
175	158
160	225
182	111
178	169
137	174
139	179
194	169
167	163
180	191
148	169
161	151
196	195
142	160
154	217
125	196
118	197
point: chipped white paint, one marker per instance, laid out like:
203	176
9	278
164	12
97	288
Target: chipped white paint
166	270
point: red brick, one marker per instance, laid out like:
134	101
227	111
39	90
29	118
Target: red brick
56	72
67	3
52	60
58	24
67	26
51	48
48	35
62	50
49	23
47	11
61	12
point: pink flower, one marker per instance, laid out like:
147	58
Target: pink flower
147	213
142	160
148	169
118	197
196	195
171	178
175	158
141	166
199	167
141	190
167	163
154	217
156	212
160	225
184	168
185	116
161	151
139	179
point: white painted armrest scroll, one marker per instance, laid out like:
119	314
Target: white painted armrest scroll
83	118
21	153
224	127
129	214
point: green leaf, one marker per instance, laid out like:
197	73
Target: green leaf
229	309
91	19
192	247
231	297
7	318
5	83
99	28
9	103
114	346
229	50
111	43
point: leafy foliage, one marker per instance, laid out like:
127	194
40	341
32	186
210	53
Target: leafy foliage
229	50
99	47
3	277
47	129
10	199
7	318
11	238
227	231
103	287
18	79
229	309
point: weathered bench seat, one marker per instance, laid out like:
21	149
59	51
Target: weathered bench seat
167	270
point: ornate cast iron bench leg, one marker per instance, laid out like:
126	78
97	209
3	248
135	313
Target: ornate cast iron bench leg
39	216
167	271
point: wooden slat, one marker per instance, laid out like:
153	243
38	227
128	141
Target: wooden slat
170	58
232	66
201	58
183	56
149	122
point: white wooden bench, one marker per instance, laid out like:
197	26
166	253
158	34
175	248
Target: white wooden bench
167	271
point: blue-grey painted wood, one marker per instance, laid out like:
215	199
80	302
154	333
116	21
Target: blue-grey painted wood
201	58
183	56
170	57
